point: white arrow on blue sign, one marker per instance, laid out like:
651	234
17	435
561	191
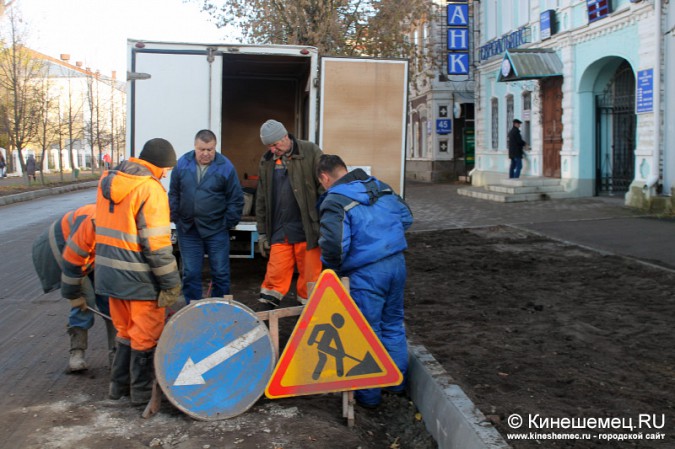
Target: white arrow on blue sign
214	359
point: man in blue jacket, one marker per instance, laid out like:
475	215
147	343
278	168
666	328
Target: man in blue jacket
206	201
363	223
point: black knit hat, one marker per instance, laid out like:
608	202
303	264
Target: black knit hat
159	152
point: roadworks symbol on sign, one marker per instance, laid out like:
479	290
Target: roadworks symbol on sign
332	348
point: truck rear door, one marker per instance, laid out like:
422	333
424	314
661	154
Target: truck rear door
363	115
181	96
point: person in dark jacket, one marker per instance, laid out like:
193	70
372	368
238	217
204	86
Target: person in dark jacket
516	145
206	201
363	224
286	215
31	167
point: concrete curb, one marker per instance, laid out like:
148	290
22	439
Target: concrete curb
34	194
449	415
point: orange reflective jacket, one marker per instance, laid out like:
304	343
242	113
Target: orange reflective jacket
67	245
79	251
133	235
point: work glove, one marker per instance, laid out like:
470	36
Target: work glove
169	297
79	303
263	245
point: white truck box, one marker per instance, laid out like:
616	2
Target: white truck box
353	107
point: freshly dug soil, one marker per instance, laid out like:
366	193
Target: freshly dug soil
531	326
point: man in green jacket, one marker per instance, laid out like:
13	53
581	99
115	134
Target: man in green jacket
287	218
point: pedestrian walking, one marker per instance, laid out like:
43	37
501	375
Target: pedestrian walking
3	166
135	265
31	167
363	223
206	201
516	153
288	223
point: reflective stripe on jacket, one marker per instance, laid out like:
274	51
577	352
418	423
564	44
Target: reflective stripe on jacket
49	247
133	235
79	252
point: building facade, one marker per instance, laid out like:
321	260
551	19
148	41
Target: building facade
584	77
86	118
440	132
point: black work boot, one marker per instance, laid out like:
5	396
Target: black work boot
120	378
142	376
112	342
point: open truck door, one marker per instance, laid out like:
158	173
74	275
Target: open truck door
363	115
180	97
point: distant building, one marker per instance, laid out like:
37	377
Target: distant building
441	96
89	111
585	77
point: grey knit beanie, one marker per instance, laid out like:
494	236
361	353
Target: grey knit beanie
159	152
272	131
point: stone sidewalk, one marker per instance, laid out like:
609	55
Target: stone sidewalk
600	223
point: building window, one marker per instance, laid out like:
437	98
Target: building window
491	16
523	12
509	113
527	116
495	124
507	16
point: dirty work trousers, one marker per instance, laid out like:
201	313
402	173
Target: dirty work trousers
284	257
140	322
377	289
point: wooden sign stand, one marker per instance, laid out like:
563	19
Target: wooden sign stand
272	317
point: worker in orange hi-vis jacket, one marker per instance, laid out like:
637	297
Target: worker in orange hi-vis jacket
63	256
135	265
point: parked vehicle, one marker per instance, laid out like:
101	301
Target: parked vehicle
353	107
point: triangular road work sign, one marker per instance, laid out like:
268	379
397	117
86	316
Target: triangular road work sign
332	348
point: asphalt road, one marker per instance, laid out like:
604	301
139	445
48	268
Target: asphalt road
42	407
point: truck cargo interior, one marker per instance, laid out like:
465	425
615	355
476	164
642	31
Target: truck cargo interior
257	88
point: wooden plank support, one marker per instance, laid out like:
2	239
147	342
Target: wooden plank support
272	317
348	407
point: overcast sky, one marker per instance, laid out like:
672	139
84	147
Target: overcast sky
95	31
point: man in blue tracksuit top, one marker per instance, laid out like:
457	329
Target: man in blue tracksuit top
206	201
363	223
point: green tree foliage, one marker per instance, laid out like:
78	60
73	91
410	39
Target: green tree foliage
335	27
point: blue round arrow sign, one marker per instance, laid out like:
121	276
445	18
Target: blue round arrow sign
214	359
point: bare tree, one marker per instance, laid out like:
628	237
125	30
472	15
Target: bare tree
95	123
47	120
73	113
336	27
117	119
19	73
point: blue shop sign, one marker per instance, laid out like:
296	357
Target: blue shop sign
458	63
506	42
458	39
458	15
546	24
